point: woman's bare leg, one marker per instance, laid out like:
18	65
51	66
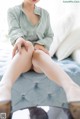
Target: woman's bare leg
19	64
54	72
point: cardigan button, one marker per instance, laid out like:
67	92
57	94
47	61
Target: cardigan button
23	96
36	85
49	95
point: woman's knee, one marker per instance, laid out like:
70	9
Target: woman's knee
23	60
36	60
30	47
26	53
37	55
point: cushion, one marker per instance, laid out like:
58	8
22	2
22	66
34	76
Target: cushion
76	56
71	43
61	31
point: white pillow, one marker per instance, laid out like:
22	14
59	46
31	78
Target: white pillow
76	56
71	43
61	31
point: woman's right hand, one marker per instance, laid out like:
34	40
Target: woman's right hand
17	47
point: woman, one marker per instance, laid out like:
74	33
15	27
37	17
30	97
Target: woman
31	34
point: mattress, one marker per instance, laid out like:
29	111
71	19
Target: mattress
34	89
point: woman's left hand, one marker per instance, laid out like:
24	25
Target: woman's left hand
41	47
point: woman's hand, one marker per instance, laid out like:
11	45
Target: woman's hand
17	47
41	47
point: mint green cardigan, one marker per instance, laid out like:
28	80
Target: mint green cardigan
20	26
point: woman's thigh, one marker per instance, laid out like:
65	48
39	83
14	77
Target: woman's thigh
35	61
36	68
23	61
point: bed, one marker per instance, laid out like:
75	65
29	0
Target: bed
33	89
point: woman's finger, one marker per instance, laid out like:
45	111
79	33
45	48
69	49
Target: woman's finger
14	51
19	48
36	48
25	45
45	50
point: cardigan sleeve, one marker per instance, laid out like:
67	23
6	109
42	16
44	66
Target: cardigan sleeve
14	28
48	37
